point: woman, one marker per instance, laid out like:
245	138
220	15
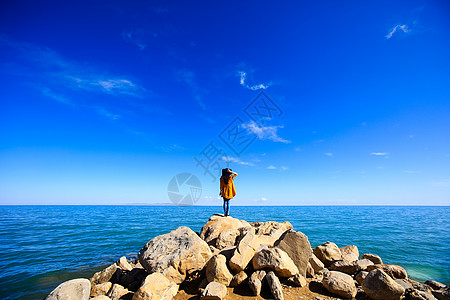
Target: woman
227	190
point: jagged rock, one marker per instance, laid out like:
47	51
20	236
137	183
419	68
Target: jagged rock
394	271
117	292
271	228
124	264
419	295
238	279
276	260
360	276
309	271
79	289
373	258
244	252
443	294
316	264
214	291
100	289
435	285
175	254
227	238
216	224
156	286
297	247
419	286
328	253
110	273
349	267
274	285
217	270
255	281
297	280
340	284
380	286
349	250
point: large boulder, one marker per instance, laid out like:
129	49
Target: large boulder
373	258
350	267
394	271
216	224
175	254
227	238
244	251
214	291
297	246
274	259
156	286
328	253
274	285
217	270
75	289
350	249
340	284
380	286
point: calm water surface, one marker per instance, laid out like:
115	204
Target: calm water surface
42	246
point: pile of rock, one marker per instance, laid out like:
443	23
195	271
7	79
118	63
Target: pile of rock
259	256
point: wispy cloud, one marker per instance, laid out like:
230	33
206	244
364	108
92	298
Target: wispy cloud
329	154
236	160
397	28
255	87
135	37
271	167
55	96
106	113
411	172
262	199
265	132
188	77
284	168
379	153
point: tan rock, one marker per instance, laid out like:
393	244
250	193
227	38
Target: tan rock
217	270
227	238
255	281
117	292
316	264
360	276
297	247
435	285
350	257
297	280
419	295
124	264
102	297
350	249
100	289
216	224
394	271
340	284
310	271
272	228
156	286
107	274
351	267
328	253
373	258
176	254
72	289
244	252
276	260
380	286
274	286
214	291
238	279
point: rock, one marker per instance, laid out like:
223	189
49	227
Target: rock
435	285
443	294
124	264
396	272
309	271
238	279
297	280
156	286
360	276
132	280
328	253
274	285
349	250
349	267
75	289
244	252
297	247
102	297
272	228
276	260
176	254
419	286
379	285
217	270
117	292
373	258
350	257
255	281
214	291
419	295
340	284
100	289
227	238
110	273
404	283
216	224
316	264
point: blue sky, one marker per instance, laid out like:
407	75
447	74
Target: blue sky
104	102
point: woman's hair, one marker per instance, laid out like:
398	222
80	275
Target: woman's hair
226	175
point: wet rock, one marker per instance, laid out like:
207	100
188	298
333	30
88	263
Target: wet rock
274	285
100	289
244	251
297	247
380	286
340	284
217	270
328	253
156	286
394	271
217	224
214	291
274	259
255	281
79	289
238	279
176	254
373	258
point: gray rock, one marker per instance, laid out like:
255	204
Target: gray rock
328	253
340	284
274	286
274	259
297	246
75	289
373	258
404	283
360	276
214	291
255	281
380	286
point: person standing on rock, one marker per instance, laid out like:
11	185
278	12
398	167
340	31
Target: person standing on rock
227	189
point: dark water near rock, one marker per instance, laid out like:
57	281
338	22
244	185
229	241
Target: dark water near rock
42	246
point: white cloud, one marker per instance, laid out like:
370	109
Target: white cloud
379	153
236	160
271	167
262	199
265	132
329	154
284	168
261	86
394	29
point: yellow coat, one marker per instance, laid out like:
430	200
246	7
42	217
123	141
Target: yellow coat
227	190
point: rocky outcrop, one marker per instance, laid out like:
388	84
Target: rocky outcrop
380	286
297	247
328	253
274	259
217	224
176	254
340	284
156	286
79	289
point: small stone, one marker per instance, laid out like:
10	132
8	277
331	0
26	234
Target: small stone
309	271
360	276
238	279
255	281
316	264
276	260
373	258
214	291
217	270
297	280
124	264
328	253
110	273
156	286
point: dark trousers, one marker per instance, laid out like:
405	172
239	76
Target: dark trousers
226	206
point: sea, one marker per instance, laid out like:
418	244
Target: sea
42	246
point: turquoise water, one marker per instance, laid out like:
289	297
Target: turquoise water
41	246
